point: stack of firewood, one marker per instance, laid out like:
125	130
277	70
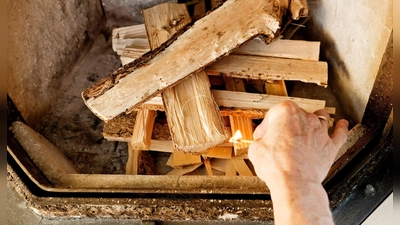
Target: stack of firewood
169	64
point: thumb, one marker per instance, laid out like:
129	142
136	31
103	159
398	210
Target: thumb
260	130
340	133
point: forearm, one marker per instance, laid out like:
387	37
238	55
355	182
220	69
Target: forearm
301	204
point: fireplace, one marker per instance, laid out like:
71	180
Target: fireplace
73	50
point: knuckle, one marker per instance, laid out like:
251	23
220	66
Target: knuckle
288	107
313	120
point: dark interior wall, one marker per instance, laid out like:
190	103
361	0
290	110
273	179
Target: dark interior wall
121	13
45	38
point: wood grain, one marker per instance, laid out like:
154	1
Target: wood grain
141	139
239	123
269	68
194	120
241	167
281	48
243	100
207	40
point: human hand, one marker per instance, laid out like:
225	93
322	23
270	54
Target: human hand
292	153
291	145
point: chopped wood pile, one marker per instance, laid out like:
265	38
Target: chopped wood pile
200	75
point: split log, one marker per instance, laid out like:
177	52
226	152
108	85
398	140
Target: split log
128	36
193	117
133	52
141	138
194	120
208	39
138	45
159	30
269	68
282	48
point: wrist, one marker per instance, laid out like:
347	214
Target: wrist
300	202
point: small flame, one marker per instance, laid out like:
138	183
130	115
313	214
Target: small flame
235	138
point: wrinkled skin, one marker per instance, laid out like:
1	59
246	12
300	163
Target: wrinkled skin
292	153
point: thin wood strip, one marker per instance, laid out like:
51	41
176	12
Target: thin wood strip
269	68
241	167
230	169
143	129
161	145
136	45
219	164
220	152
257	113
127	33
156	103
184	170
281	48
133	163
212	36
183	159
354	135
262	101
141	138
134	31
291	49
207	165
277	87
245	126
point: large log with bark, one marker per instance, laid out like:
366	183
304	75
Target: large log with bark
208	39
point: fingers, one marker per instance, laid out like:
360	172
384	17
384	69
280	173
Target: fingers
279	113
323	117
261	129
340	133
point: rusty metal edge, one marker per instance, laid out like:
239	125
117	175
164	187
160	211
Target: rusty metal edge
158	184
